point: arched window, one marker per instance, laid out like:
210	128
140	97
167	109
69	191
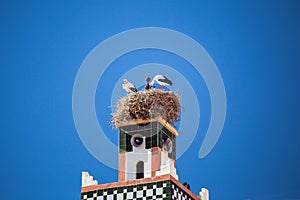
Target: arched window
140	170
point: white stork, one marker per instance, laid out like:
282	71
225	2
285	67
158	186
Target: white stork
162	81
128	87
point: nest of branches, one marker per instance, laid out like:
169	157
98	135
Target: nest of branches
146	105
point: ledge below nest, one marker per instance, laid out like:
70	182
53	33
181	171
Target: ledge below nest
146	105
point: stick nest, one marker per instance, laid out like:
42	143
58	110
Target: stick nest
147	105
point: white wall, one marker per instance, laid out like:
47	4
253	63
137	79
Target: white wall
132	158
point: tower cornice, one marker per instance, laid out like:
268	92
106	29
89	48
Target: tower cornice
140	121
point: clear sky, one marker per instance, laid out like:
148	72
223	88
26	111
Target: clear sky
255	45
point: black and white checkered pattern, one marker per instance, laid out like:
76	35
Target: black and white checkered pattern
156	190
179	194
163	190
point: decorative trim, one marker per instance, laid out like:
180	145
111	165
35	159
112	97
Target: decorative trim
158	119
137	182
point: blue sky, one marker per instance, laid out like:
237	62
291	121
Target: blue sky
254	44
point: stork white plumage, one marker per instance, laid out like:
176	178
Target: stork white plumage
128	87
162	81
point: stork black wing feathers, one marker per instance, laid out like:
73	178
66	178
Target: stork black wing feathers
166	80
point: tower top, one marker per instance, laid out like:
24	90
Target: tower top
147	148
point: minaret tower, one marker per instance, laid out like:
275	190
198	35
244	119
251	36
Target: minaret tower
147	148
147	151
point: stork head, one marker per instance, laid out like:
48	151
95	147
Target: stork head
125	81
148	79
